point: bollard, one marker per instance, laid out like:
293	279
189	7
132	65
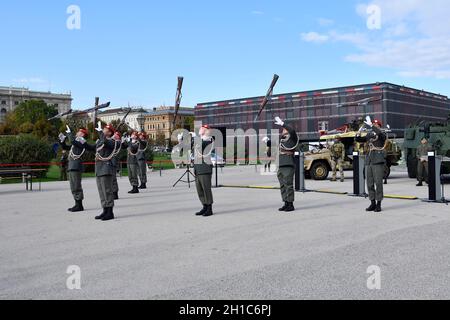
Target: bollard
299	159
358	175
435	186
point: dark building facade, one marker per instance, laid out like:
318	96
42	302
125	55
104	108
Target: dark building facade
313	111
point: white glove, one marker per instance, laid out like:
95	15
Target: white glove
81	140
279	122
180	137
193	134
68	129
265	139
99	126
368	121
62	137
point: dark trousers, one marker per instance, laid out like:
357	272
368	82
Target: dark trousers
115	185
133	170
204	191
422	171
75	185
63	173
286	179
375	177
105	191
142	171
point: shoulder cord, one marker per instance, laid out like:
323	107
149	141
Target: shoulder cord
290	149
373	148
199	154
119	144
108	158
74	156
131	153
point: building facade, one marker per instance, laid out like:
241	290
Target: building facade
159	120
311	112
134	120
11	97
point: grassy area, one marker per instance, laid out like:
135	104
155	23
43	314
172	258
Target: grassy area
53	174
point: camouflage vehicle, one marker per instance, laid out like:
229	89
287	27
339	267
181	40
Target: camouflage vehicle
318	160
438	135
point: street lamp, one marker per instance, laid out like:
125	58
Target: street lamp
141	121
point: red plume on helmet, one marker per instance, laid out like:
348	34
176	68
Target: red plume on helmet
83	131
110	128
378	122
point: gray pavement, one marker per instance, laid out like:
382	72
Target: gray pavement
157	248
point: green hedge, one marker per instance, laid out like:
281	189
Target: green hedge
26	149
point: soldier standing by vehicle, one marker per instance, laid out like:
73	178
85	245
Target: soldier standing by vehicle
375	162
203	170
337	159
422	161
286	167
105	169
268	154
142	159
132	144
76	168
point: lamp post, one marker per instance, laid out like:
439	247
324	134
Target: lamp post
141	121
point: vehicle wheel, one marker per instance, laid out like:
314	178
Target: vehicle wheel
412	167
319	171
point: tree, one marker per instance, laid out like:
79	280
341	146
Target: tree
31	117
160	139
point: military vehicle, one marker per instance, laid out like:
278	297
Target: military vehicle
438	135
318	159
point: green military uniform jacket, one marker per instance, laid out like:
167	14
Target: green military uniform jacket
288	146
76	151
202	158
104	163
133	151
422	151
142	149
376	140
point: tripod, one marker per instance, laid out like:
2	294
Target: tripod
188	174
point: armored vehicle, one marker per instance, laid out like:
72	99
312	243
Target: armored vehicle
438	135
318	159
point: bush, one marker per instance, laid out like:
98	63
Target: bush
25	149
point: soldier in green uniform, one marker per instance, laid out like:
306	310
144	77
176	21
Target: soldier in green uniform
75	168
118	140
132	145
203	170
286	167
375	162
104	170
337	159
422	161
142	160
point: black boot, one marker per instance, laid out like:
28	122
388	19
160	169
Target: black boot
134	190
290	207
143	186
209	211
283	208
78	206
109	214
378	208
372	207
420	184
101	215
203	211
116	196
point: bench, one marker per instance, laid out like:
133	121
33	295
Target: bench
26	174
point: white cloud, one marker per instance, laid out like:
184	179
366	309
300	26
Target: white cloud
257	12
414	39
314	37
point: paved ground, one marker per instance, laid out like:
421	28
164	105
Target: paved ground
157	249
